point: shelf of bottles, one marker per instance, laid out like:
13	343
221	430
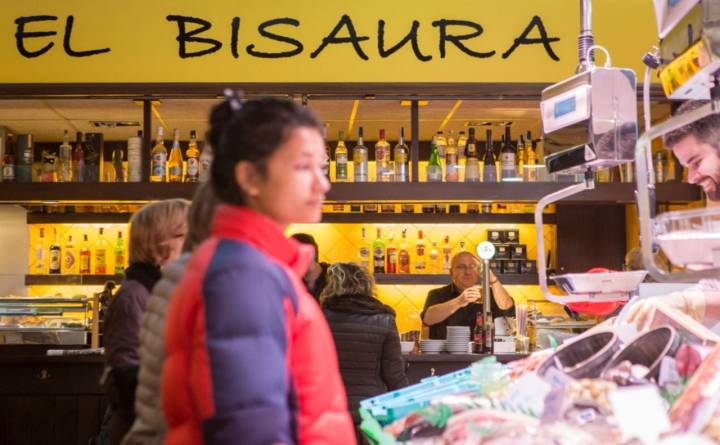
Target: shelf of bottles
459	169
76	254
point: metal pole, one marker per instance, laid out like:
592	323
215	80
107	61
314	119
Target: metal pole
147	139
415	136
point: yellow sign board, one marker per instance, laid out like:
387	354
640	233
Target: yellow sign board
158	41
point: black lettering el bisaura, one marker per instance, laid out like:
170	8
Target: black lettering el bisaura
66	42
184	36
544	39
263	30
21	35
345	22
411	36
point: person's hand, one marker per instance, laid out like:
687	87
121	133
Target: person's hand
468	296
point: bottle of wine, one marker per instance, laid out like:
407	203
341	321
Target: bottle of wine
175	162
85	256
65	158
401	154
8	161
193	159
382	159
341	159
507	157
530	159
379	254
158	158
391	256
489	167
472	167
434	169
55	254
360	159
404	255
451	159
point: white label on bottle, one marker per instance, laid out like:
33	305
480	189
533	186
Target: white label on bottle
158	164
134	163
434	173
69	262
507	161
193	167
54	259
8	172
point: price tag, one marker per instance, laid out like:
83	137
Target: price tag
640	412
528	394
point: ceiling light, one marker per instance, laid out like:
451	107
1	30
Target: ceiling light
421	103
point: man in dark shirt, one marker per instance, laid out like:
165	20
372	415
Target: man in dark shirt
458	303
316	276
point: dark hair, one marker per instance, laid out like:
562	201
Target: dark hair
252	133
705	130
306	238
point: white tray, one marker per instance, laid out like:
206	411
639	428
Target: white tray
600	283
690	238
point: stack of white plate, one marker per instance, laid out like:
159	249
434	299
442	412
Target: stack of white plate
432	346
458	338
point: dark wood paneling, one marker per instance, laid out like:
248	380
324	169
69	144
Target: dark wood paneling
75	280
590	236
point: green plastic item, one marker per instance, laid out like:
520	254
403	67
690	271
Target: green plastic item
373	430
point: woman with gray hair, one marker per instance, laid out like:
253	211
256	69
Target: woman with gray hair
365	334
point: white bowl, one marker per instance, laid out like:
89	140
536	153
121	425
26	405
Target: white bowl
406	347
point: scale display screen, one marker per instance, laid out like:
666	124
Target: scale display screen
564	107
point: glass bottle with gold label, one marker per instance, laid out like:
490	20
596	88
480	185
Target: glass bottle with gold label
400	156
341	159
158	159
382	159
119	254
101	246
360	159
193	159
175	162
69	265
85	256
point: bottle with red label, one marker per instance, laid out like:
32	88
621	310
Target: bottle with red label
404	255
478	332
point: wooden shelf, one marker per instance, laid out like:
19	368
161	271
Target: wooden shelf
337	218
443	279
50	193
70	280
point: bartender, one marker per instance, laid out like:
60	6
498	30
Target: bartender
697	147
458	303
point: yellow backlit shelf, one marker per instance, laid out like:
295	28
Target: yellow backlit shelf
70	280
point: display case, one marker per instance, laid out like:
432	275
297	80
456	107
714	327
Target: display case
45	320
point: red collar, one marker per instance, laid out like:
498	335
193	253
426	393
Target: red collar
263	233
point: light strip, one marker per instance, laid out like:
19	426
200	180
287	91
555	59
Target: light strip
353	115
160	118
450	115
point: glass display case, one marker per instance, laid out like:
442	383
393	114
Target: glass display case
45	320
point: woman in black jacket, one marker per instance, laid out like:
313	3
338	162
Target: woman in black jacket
366	338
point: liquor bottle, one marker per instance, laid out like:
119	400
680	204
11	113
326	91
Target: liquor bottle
404	255
364	250
40	267
472	166
175	162
530	160
520	157
401	154
446	255
24	158
69	259
85	256
420	264
435	261
488	330
507	157
8	161
119	254
206	158
478	332
65	153
134	158
434	169
451	160
461	144
78	156
49	166
55	254
360	159
117	164
158	158
379	254
100	254
489	167
93	155
193	159
441	143
391	256
341	159
326	161
461	246
382	159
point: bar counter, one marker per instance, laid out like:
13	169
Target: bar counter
420	366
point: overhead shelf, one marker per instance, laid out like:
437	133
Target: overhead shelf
67	193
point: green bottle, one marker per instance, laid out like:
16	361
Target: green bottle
434	170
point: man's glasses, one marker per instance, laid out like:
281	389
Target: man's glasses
466	267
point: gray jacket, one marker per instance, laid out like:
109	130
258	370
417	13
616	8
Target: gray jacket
149	425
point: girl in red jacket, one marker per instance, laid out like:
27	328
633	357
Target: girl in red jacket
250	358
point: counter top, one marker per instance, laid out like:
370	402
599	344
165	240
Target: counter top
466	358
37	354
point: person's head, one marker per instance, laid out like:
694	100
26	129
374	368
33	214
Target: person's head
200	216
308	239
464	270
697	147
157	231
348	279
269	156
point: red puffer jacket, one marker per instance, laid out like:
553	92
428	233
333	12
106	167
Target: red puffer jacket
250	358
